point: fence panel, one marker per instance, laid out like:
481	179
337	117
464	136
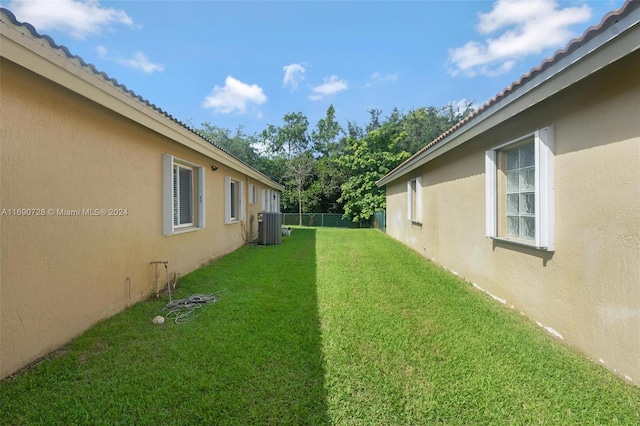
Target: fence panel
332	220
380	220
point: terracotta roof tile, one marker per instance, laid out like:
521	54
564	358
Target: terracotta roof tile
104	76
607	21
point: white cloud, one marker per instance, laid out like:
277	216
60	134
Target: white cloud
293	75
331	85
138	61
377	78
528	28
234	96
75	17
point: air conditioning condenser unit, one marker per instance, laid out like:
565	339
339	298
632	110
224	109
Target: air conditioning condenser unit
269	228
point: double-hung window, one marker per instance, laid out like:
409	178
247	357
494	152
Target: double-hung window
183	195
234	200
414	200
520	190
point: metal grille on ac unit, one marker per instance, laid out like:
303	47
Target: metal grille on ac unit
269	228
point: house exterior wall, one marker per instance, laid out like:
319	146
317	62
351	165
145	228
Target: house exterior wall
586	292
59	274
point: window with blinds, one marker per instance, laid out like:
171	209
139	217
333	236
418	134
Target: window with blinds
183	195
183	190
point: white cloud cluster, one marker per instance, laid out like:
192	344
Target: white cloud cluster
234	96
138	61
75	17
293	75
378	78
528	28
331	85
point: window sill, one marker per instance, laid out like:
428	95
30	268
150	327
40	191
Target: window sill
521	243
183	231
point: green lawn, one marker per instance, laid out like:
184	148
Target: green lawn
331	327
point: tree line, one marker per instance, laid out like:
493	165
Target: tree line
331	169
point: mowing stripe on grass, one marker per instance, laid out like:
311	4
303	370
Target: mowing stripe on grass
406	342
330	327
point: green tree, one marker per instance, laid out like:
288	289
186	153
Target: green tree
239	144
425	124
382	147
289	139
325	188
288	146
299	169
366	160
273	166
354	130
374	119
324	136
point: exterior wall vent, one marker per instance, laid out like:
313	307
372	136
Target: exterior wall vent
269	228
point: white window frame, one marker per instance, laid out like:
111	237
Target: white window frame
276	201
170	223
267	195
183	194
253	194
235	187
544	157
414	200
270	200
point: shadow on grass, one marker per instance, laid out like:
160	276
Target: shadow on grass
270	337
255	357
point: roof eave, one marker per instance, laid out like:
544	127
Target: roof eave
39	53
605	35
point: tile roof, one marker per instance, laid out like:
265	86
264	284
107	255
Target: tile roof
113	81
607	21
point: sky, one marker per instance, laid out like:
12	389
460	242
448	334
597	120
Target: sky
248	63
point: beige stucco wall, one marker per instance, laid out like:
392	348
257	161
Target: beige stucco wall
588	290
61	274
